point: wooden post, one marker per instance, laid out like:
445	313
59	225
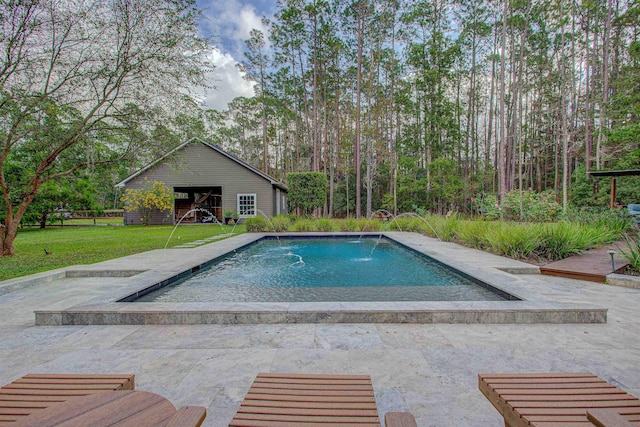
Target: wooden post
613	192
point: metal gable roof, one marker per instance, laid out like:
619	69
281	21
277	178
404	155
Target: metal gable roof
213	147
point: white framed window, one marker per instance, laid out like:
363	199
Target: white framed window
246	205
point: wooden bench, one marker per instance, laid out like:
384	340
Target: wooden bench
35	392
559	400
313	400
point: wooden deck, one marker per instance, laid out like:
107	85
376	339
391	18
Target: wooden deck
308	400
593	265
555	400
35	392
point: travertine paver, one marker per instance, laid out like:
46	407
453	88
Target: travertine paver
427	369
203	241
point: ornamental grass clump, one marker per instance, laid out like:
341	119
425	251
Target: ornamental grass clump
443	228
303	225
280	223
324	224
563	239
407	224
348	224
474	233
514	240
517	241
630	250
368	225
257	225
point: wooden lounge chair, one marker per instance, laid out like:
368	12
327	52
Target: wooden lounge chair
122	408
313	400
35	392
559	400
25	400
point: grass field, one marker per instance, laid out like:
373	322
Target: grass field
86	245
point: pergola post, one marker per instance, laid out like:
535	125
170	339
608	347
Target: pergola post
613	192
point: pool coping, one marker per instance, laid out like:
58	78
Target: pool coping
532	308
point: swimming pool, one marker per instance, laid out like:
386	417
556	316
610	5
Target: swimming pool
524	302
349	268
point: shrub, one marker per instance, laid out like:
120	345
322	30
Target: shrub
257	224
617	220
307	191
151	197
525	205
531	206
487	206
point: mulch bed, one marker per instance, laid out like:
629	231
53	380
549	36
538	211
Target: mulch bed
629	271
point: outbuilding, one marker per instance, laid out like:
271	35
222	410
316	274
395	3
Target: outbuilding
206	182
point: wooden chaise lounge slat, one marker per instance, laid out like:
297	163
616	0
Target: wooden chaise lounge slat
35	392
558	400
306	400
606	418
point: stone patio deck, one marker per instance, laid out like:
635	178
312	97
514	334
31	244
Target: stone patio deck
428	369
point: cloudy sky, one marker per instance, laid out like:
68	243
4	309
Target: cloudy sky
227	24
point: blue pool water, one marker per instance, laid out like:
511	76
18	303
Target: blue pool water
323	269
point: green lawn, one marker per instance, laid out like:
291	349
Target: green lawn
87	245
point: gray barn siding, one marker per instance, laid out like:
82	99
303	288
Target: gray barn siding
197	165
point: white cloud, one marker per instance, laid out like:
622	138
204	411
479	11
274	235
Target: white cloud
249	20
229	22
227	79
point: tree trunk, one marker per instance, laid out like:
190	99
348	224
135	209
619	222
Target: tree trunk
563	125
392	133
470	130
605	77
9	230
316	144
356	145
487	147
502	154
6	241
296	135
334	156
587	106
